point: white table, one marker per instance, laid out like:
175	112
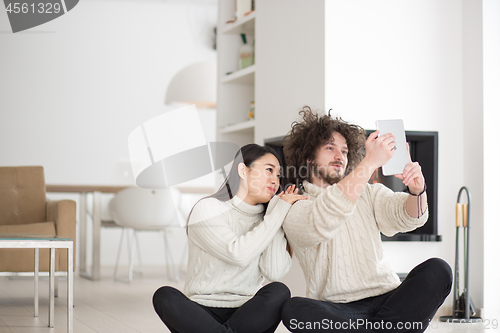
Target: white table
96	191
52	243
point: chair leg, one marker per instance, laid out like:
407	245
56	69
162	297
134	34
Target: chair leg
130	239
56	286
168	257
139	258
115	273
132	242
118	255
131	256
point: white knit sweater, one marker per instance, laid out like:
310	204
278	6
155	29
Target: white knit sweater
337	241
233	246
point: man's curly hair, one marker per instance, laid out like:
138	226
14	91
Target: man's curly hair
305	137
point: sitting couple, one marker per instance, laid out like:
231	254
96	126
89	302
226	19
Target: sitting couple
245	233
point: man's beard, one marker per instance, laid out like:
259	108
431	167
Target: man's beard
329	177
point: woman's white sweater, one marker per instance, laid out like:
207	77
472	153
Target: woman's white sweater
337	241
233	247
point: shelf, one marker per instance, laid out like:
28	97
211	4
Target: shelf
242	76
244	25
245	126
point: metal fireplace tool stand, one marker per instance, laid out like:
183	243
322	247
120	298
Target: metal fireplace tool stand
463	307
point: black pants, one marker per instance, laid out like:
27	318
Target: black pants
260	314
408	308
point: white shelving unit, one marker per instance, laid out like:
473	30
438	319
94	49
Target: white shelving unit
289	70
236	88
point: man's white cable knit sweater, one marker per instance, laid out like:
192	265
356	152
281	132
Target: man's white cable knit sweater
337	241
233	246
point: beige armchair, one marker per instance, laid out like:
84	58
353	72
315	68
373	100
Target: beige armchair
24	209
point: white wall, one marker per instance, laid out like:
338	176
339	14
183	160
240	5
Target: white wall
491	119
72	90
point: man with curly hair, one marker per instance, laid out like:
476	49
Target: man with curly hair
335	234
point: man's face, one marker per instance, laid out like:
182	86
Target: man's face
331	160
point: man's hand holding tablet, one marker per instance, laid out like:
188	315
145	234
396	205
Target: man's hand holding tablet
400	164
399	160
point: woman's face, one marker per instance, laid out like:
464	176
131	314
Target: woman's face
262	179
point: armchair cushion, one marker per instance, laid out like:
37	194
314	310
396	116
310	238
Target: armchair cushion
22	195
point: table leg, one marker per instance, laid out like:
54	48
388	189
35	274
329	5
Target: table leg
37	269
96	237
83	234
51	286
70	289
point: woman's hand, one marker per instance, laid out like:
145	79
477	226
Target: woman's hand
291	196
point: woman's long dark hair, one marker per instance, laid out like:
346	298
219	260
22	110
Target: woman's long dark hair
248	154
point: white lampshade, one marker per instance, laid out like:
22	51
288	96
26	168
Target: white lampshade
194	84
171	149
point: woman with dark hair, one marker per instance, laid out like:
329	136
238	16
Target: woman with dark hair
235	243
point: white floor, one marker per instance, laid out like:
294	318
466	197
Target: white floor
107	306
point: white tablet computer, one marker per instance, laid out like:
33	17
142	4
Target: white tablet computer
400	159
